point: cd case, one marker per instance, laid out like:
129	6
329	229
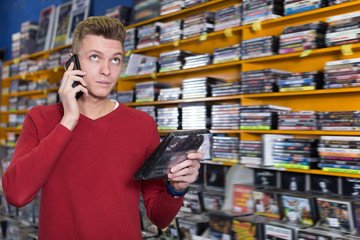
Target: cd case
171	151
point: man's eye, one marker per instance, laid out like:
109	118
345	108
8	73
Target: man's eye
94	57
116	60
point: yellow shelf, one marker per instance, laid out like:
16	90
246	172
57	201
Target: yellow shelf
57	70
183	71
190	100
28	93
310	171
15	112
337	133
187	11
37	54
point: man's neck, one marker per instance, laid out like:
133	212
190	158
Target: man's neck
96	108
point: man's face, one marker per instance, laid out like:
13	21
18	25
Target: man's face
101	59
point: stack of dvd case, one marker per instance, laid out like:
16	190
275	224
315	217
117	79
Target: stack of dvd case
251	152
259	47
15	45
28	38
339	121
130	40
225	116
227	54
125	96
228	17
173	60
255	11
149	35
298	120
342	73
225	149
191	3
302	37
198	60
171	31
297	6
198	87
339	154
167	94
170	6
301	81
168	118
295	153
120	12
225	89
148	91
195	116
260	117
198	24
261	81
151	110
343	29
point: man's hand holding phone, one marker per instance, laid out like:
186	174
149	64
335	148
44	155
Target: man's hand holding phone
68	94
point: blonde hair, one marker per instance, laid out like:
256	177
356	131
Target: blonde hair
108	27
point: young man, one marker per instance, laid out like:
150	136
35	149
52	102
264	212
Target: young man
82	154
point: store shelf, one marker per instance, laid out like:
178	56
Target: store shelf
183	71
296	55
28	93
337	133
311	171
218	163
32	75
186	12
299	93
37	54
190	100
209	36
15	112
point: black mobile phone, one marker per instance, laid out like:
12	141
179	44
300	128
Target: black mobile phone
75	59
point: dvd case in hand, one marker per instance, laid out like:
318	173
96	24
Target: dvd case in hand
171	151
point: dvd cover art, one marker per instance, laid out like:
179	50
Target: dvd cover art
44	34
324	184
266	204
61	26
171	151
335	214
243	201
293	181
80	11
297	209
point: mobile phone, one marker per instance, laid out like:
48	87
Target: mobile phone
75	59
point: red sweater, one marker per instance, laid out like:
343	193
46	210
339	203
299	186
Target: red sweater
86	175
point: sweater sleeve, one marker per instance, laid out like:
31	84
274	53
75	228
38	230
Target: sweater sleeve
32	162
161	207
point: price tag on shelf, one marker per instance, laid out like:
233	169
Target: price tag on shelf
56	69
228	32
256	26
153	76
23	76
203	37
127	53
177	43
45	91
16	60
347	49
305	53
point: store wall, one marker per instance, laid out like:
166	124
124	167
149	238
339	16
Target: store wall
15	12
